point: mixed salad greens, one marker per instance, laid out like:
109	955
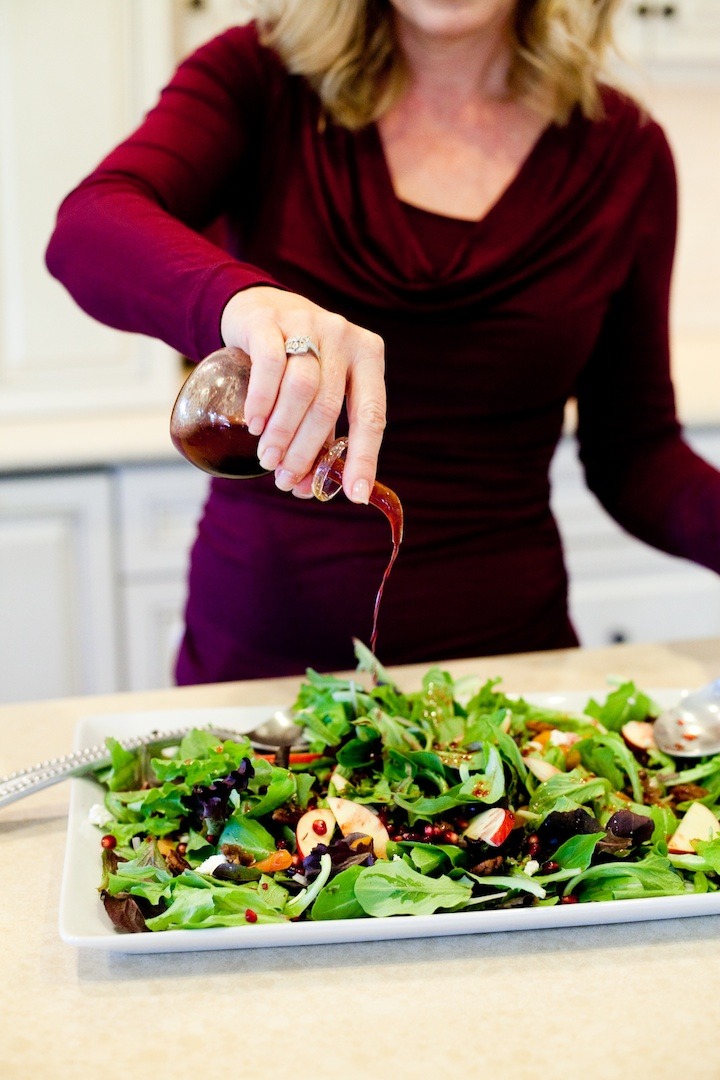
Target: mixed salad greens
454	798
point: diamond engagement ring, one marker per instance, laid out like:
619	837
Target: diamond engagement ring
300	346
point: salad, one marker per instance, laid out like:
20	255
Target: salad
453	798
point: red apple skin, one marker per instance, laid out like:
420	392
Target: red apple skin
639	735
493	826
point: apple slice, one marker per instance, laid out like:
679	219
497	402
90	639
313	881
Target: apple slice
493	826
541	769
698	823
353	817
638	734
314	827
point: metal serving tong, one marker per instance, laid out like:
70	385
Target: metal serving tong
80	762
278	735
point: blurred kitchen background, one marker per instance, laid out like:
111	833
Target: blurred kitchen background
97	510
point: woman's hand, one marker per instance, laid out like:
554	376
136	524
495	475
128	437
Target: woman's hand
293	402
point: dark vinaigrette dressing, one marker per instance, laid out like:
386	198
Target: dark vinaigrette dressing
227	449
220	448
385	499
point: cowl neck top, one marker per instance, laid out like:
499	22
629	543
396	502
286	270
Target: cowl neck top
560	290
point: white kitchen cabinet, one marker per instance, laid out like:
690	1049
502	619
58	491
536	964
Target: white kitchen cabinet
92	578
684	32
75	77
620	588
58	599
159	507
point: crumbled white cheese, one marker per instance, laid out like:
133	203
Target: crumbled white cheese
99	815
210	864
531	867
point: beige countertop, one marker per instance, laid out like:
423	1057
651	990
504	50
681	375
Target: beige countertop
636	999
86	441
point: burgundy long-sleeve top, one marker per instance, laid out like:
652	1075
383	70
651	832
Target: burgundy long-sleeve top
559	291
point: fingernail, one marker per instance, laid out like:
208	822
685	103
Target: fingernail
285	480
303	494
256	425
270	458
360	491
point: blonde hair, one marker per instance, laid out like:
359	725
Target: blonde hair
347	51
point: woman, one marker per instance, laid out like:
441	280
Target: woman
446	187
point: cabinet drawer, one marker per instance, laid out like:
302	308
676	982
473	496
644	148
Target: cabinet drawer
159	507
665	607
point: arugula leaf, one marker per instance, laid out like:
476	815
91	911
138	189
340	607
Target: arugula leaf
623	704
336	900
651	876
124	769
249	835
394	888
518	882
572	788
577	852
608	755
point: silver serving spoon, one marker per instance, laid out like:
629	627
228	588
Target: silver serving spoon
279	734
692	727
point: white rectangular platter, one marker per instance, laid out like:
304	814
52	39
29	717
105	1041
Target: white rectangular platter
83	921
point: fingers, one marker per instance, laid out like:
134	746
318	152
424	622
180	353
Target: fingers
266	347
284	438
367	415
293	402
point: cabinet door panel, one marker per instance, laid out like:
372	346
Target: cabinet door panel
667	607
74	78
159	507
57	600
153	625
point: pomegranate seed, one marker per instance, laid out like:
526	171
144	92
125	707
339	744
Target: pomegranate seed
181	848
108	842
320	827
532	844
549	867
569	899
250	915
